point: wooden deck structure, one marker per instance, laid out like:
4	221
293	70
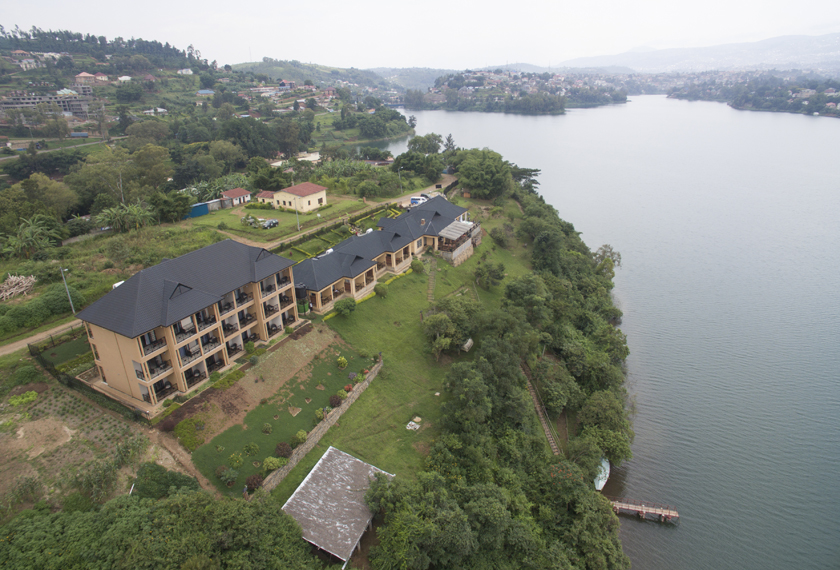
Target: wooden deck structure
645	510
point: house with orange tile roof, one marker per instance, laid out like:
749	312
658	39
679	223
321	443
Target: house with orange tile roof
304	197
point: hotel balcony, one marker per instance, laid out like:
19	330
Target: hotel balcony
165	366
153	346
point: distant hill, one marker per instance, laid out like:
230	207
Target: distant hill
411	77
784	52
319	74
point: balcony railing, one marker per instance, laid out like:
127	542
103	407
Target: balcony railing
153	346
140	374
210	344
164	393
271	309
244	298
229	328
184	334
268	290
249	318
215	365
273	330
226	308
190	356
283	281
233	349
158	370
195	379
207	323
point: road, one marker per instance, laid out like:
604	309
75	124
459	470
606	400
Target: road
19	344
63	148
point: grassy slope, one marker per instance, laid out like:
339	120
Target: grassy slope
373	429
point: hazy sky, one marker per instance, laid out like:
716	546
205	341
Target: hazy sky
435	33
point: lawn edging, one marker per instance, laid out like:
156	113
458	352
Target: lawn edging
275	477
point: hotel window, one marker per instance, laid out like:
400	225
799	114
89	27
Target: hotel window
309	202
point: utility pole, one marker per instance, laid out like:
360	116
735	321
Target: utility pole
296	214
72	308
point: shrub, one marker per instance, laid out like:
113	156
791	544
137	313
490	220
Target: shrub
221	469
154	481
260	351
283	449
249	347
214	377
345	306
290	330
272	463
499	236
251	449
187	432
254	360
348	388
342	363
341	394
319	414
76	503
335	400
299	438
417	266
254	482
381	290
27	374
229	476
167	403
267	429
235	460
222	226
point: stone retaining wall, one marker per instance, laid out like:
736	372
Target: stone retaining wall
320	430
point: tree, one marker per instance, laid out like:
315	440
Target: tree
33	235
171	207
412	121
489	274
150	166
54	195
150	131
227	154
426	144
345	306
484	172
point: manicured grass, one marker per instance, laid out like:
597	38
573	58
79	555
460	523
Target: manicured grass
67	351
287	221
321	371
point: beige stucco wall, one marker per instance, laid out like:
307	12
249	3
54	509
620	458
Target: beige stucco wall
305	204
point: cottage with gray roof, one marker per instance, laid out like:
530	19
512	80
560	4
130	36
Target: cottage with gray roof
330	504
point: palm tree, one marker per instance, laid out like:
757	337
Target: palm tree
33	235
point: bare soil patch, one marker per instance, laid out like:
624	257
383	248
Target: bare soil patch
34	438
320	387
39	387
294	411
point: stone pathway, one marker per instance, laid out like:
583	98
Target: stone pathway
432	273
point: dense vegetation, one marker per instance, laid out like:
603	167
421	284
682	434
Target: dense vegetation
186	530
768	92
490	496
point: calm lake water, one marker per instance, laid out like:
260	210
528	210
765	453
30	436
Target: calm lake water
728	227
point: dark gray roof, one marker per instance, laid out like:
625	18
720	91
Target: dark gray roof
176	288
321	271
330	503
374	244
429	218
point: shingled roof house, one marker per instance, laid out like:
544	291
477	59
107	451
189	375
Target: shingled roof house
303	197
168	327
353	267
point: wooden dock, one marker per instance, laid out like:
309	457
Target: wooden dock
645	510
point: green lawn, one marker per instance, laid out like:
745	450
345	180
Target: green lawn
322	371
373	429
287	221
67	351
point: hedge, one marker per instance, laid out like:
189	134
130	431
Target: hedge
229	380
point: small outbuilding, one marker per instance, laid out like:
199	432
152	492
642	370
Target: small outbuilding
330	503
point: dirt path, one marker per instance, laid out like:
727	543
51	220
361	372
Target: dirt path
19	344
181	456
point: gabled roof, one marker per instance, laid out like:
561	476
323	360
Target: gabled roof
265	194
320	272
373	244
428	218
330	504
176	288
235	193
304	189
84	74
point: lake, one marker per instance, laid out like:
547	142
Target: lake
727	222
